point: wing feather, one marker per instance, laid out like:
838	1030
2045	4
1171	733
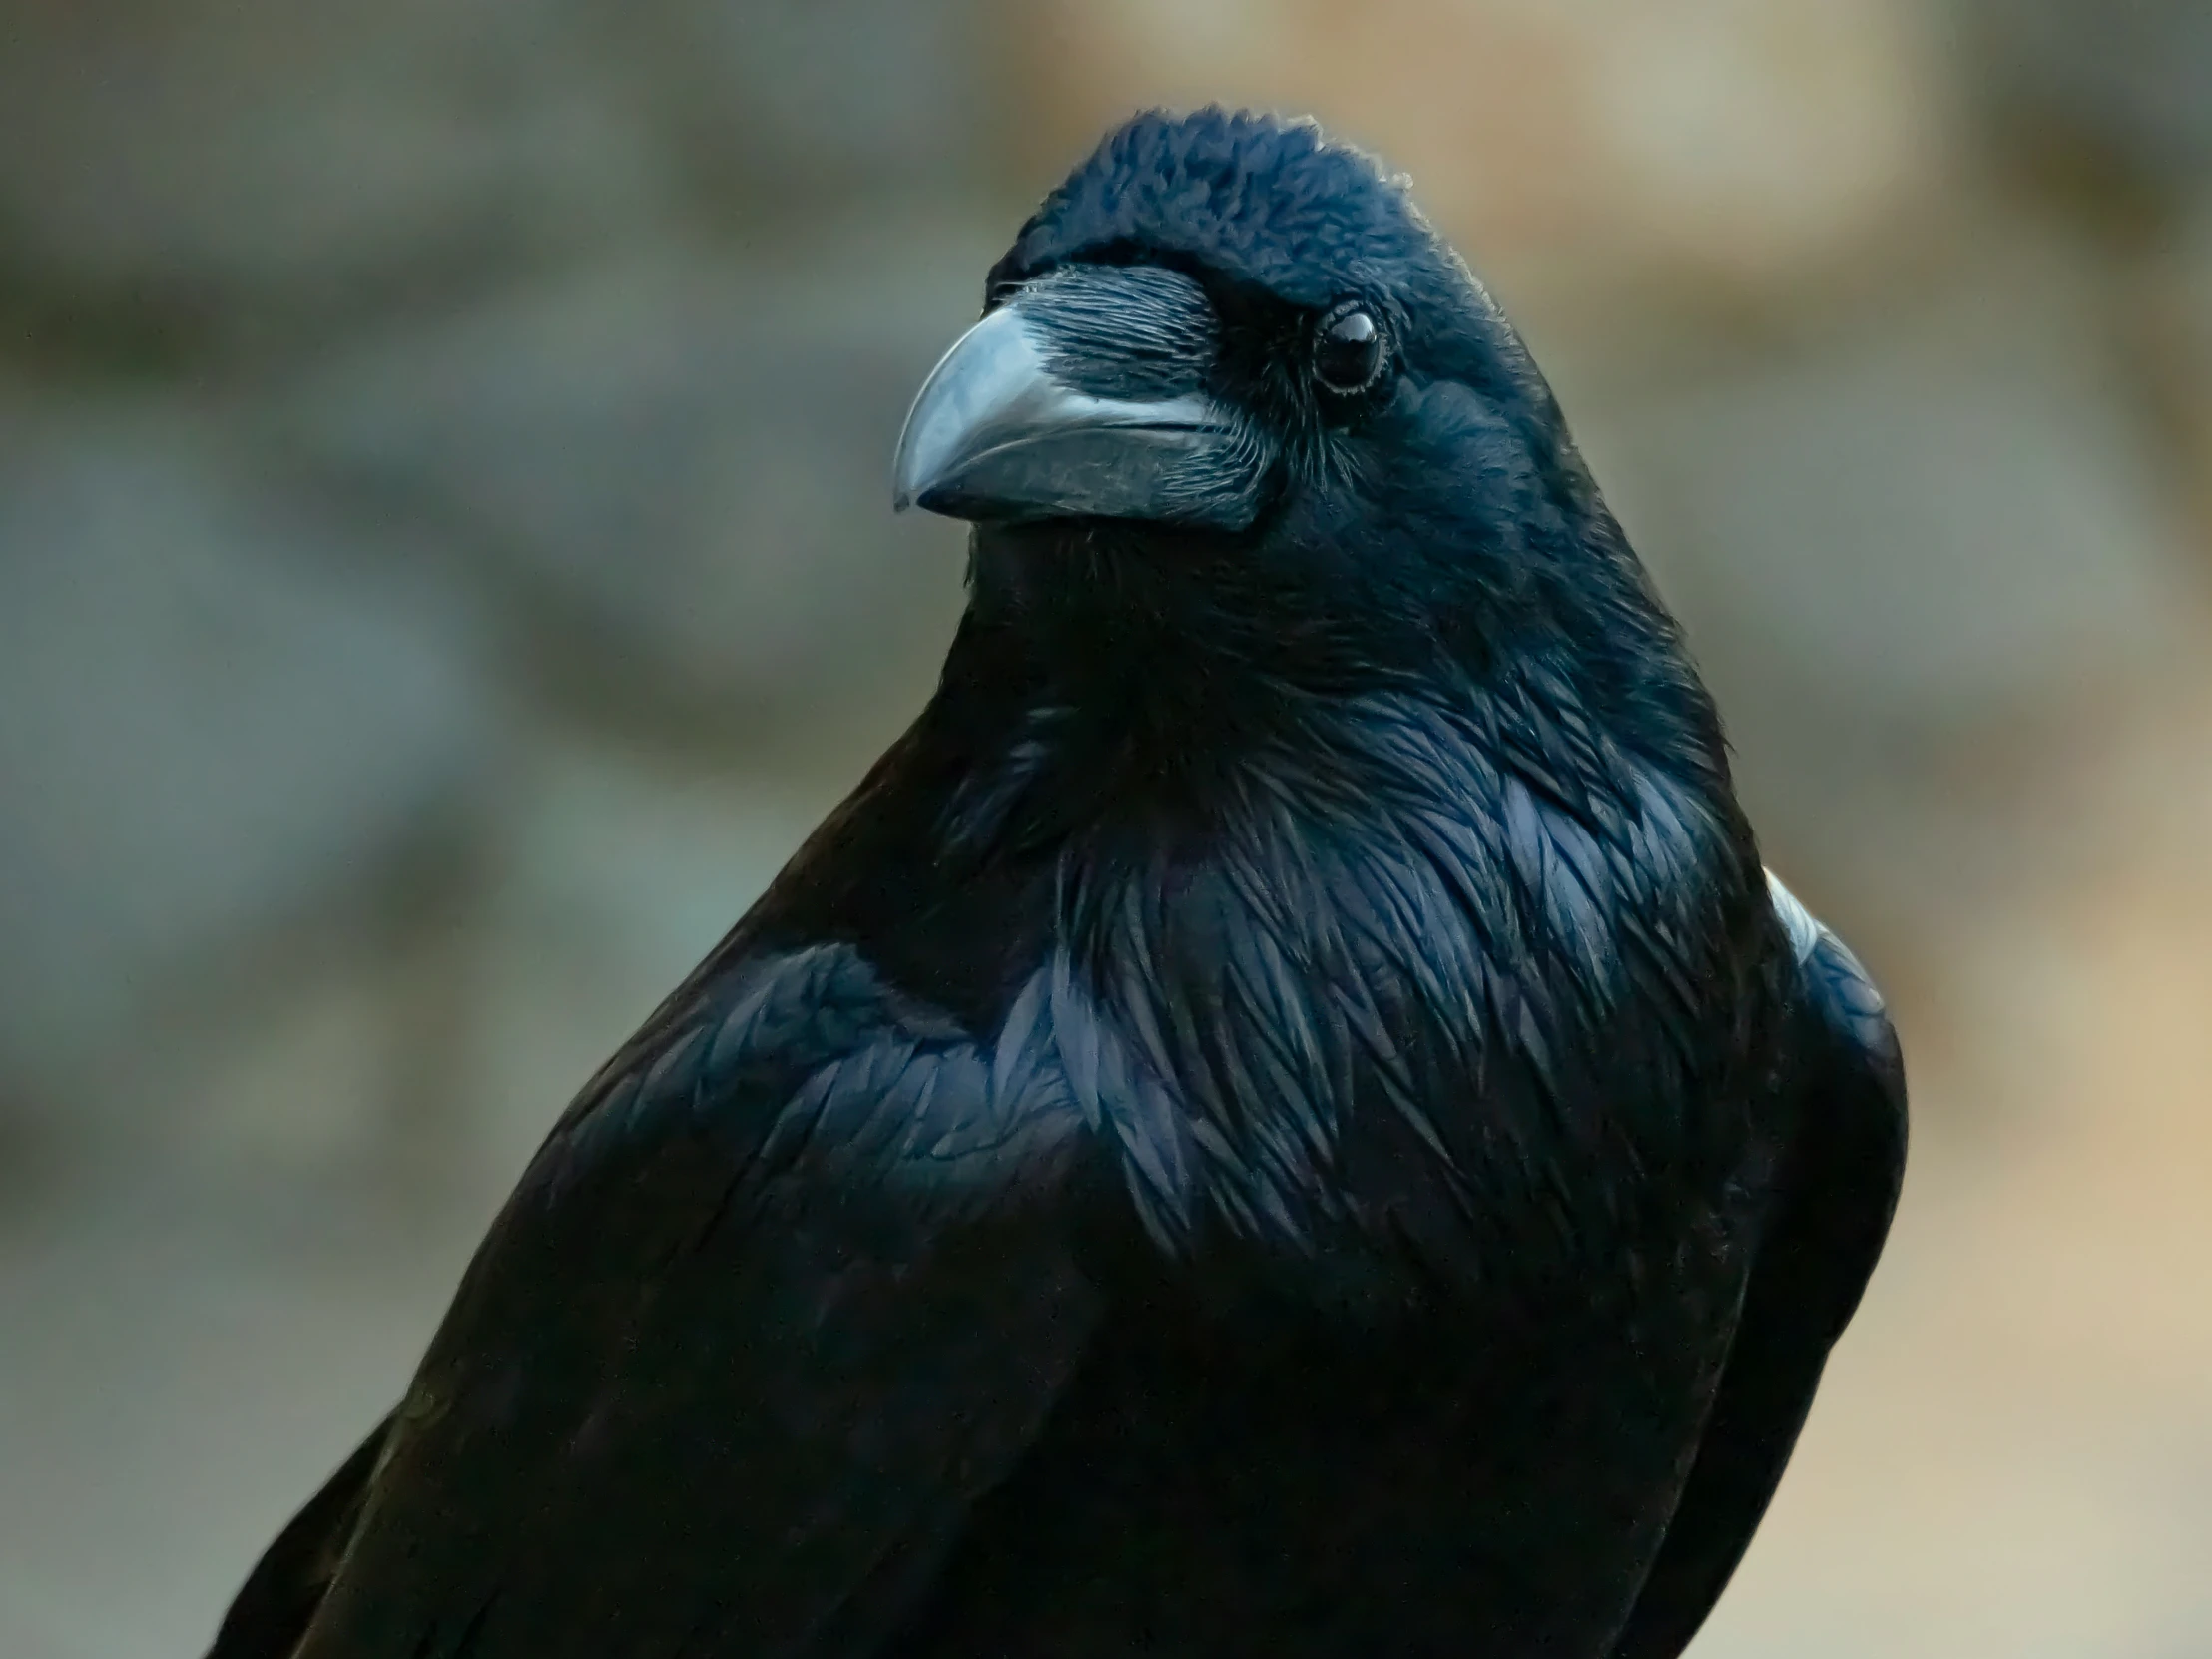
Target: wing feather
784	1293
1840	1186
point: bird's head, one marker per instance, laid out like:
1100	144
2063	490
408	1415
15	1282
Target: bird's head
1233	354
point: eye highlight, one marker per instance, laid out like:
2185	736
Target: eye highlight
1348	349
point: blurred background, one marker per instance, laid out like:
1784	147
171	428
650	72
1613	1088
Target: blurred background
446	564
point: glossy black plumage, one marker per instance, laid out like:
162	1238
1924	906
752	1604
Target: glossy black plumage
1283	1118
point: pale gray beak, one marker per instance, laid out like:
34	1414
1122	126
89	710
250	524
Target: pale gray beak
1081	398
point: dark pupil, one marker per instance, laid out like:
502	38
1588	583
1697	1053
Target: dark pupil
1345	355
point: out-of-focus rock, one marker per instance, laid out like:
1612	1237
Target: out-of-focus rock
686	456
2126	83
216	712
1909	536
787	103
2104	107
1717	140
288	152
2166	319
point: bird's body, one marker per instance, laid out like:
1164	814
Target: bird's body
1283	1117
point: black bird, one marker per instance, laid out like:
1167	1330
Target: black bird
1283	1117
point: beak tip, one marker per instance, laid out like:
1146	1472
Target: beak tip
912	494
910	478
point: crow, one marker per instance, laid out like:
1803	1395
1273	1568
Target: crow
1284	1116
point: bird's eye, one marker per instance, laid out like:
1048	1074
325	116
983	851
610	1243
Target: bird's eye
1348	349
